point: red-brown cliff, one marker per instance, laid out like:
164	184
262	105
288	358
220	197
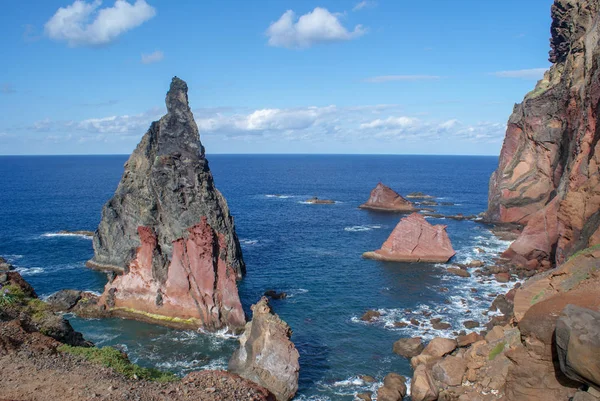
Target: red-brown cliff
199	290
548	174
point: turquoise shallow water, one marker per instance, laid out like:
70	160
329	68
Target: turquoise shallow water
313	252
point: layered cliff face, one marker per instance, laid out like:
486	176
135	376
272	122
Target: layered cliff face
167	186
548	174
169	230
199	290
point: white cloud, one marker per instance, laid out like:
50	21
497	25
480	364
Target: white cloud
154	57
317	26
363	4
391	122
85	24
531	73
265	120
391	78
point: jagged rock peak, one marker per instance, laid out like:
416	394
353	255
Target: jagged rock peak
570	21
167	186
177	97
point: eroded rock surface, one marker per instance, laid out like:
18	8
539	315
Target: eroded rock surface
199	289
415	240
385	199
266	354
547	175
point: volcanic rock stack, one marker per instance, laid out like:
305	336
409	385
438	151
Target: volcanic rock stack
168	229
385	199
415	240
548	174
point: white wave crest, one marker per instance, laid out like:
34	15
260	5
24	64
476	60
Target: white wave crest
51	235
361	228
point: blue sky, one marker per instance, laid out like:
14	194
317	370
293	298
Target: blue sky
384	76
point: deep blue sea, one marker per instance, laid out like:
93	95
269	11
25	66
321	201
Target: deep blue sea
312	252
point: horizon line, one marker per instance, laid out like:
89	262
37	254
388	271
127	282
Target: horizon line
257	154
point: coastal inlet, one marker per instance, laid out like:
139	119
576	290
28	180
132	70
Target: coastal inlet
310	251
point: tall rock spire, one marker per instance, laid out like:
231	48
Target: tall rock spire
166	211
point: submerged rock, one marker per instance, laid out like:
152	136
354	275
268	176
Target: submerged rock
383	198
408	347
266	354
5	266
317	201
169	230
167	186
415	240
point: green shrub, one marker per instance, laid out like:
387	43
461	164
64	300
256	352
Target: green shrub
11	295
496	350
578	253
113	358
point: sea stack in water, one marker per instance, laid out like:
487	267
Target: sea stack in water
415	240
384	198
547	177
168	229
266	354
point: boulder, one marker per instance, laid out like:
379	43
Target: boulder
168	187
415	240
275	295
393	389
470	324
168	229
5	266
266	354
64	300
438	347
458	272
468	339
578	344
408	347
422	386
370	315
385	199
419	195
449	371
317	201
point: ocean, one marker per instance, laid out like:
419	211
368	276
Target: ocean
312	252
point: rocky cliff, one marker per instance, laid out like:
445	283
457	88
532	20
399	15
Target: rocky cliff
167	186
548	174
168	229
